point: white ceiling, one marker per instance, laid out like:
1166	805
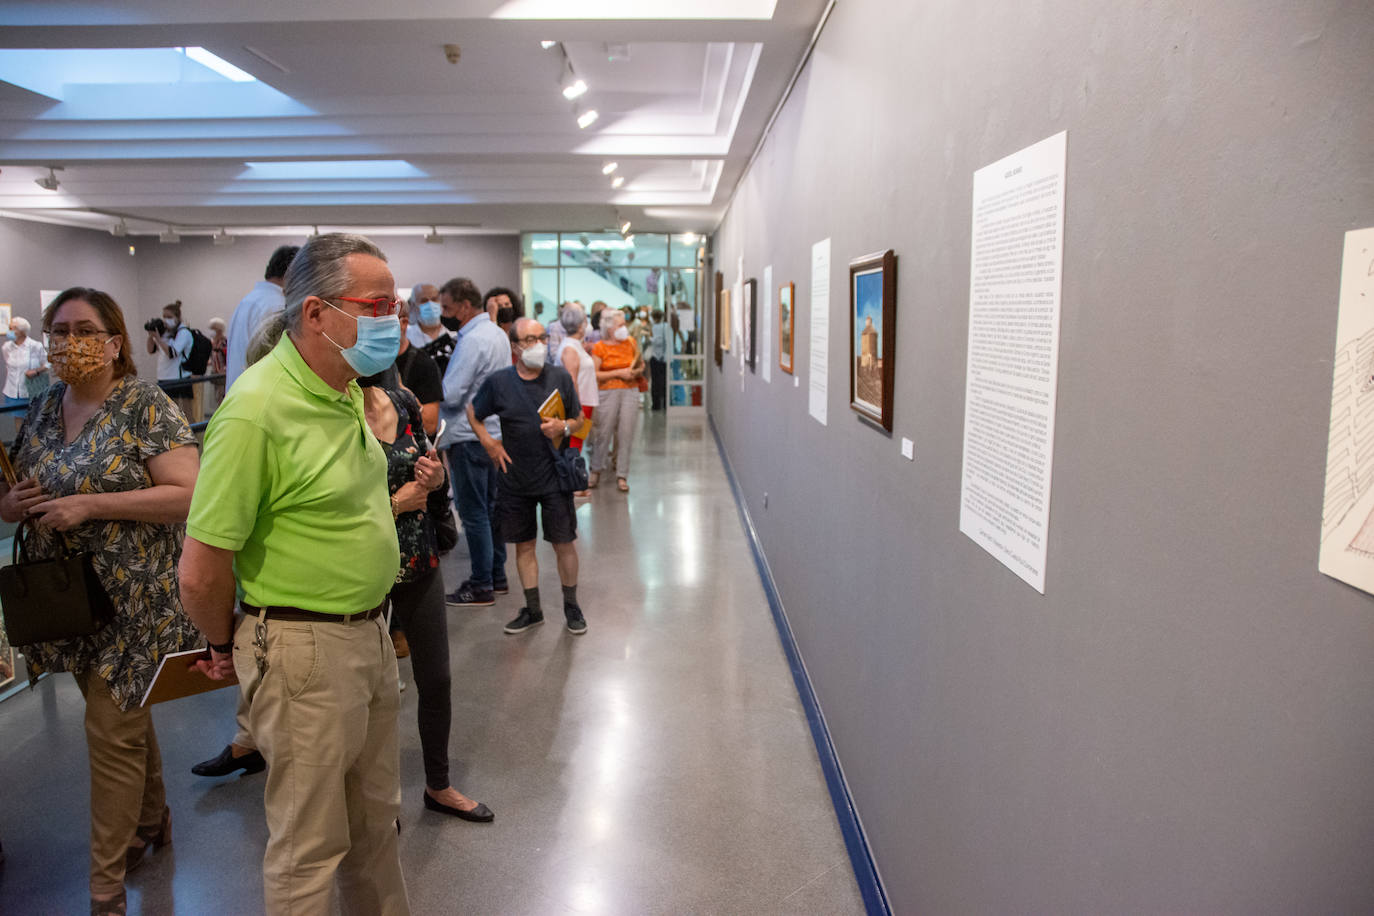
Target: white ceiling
487	144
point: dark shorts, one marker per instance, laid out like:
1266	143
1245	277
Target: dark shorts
517	522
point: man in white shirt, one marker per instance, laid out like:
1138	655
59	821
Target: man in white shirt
264	299
24	359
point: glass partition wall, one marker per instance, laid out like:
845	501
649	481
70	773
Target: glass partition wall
653	269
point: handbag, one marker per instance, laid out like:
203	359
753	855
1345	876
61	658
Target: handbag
51	600
439	504
35	386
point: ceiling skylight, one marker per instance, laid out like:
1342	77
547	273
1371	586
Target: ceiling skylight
218	64
50	72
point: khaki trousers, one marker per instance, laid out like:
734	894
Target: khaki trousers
323	712
126	780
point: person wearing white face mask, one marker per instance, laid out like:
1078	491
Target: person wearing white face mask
171	343
619	366
426	329
527	475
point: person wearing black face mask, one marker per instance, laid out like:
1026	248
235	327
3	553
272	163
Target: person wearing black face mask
417	599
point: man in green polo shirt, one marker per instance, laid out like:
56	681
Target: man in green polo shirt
292	503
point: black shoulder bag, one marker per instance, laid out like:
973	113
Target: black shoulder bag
439	507
51	600
568	463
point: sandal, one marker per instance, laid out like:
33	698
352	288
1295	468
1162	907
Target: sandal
152	837
622	485
111	906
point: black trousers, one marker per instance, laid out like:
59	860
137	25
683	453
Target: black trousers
658	383
418	609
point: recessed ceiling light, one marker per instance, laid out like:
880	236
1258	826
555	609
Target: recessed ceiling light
618	181
574	88
689	238
547	44
587	118
609	167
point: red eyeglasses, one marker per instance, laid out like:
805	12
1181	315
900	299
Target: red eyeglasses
380	307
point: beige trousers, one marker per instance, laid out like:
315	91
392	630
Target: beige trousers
323	712
126	780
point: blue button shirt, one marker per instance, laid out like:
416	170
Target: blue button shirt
483	348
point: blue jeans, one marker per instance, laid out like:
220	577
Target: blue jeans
474	493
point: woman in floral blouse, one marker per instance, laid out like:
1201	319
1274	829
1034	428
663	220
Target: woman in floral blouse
107	465
417	598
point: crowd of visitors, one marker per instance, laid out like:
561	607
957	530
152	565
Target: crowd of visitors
221	547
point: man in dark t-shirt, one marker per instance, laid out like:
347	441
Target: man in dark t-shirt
527	478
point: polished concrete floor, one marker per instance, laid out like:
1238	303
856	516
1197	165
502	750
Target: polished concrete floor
659	764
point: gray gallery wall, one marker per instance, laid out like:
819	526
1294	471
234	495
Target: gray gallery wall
1184	722
208	279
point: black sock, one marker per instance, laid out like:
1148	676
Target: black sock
532	601
569	596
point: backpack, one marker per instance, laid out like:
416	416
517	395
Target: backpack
198	357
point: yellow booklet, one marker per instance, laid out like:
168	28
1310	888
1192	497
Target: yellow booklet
553	406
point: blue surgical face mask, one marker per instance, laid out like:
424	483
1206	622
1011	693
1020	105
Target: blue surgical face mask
430	312
379	340
10	334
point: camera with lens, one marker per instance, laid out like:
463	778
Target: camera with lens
155	325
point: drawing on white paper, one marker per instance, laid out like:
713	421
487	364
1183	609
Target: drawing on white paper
1347	546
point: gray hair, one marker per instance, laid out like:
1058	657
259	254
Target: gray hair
318	270
265	338
20	324
613	314
572	318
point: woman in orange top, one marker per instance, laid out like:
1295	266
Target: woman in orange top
619	366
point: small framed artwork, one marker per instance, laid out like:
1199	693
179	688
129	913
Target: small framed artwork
725	316
873	335
785	352
720	289
749	311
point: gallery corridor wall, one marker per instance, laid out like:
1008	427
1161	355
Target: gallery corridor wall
1184	721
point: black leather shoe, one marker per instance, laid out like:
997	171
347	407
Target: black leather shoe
480	815
226	763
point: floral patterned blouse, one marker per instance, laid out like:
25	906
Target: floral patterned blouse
414	531
136	561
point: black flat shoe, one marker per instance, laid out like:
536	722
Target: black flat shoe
226	763
480	815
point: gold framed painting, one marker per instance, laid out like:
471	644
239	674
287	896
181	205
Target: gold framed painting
873	336
786	350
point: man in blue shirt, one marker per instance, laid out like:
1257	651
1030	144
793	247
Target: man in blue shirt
482	350
265	298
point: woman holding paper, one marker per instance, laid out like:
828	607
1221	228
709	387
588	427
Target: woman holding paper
106	464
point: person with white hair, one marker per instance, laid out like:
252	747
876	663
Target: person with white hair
26	364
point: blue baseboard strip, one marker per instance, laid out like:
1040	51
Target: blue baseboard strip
860	856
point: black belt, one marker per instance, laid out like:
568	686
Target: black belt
300	615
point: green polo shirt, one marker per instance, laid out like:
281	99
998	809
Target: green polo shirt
293	481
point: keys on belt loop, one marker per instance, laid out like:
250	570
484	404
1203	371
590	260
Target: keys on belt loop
260	642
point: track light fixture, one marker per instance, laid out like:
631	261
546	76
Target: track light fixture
573	88
625	229
434	238
609	167
587	118
49	181
223	237
120	229
169	237
547	44
617	181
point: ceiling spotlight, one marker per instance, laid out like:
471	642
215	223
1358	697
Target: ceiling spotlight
573	88
689	238
617	181
625	228
170	237
587	118
434	238
49	181
316	233
120	229
223	237
547	44
609	167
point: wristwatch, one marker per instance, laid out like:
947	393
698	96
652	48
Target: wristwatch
223	648
567	430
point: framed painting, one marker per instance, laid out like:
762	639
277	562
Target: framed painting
873	335
720	325
725	317
786	292
749	311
